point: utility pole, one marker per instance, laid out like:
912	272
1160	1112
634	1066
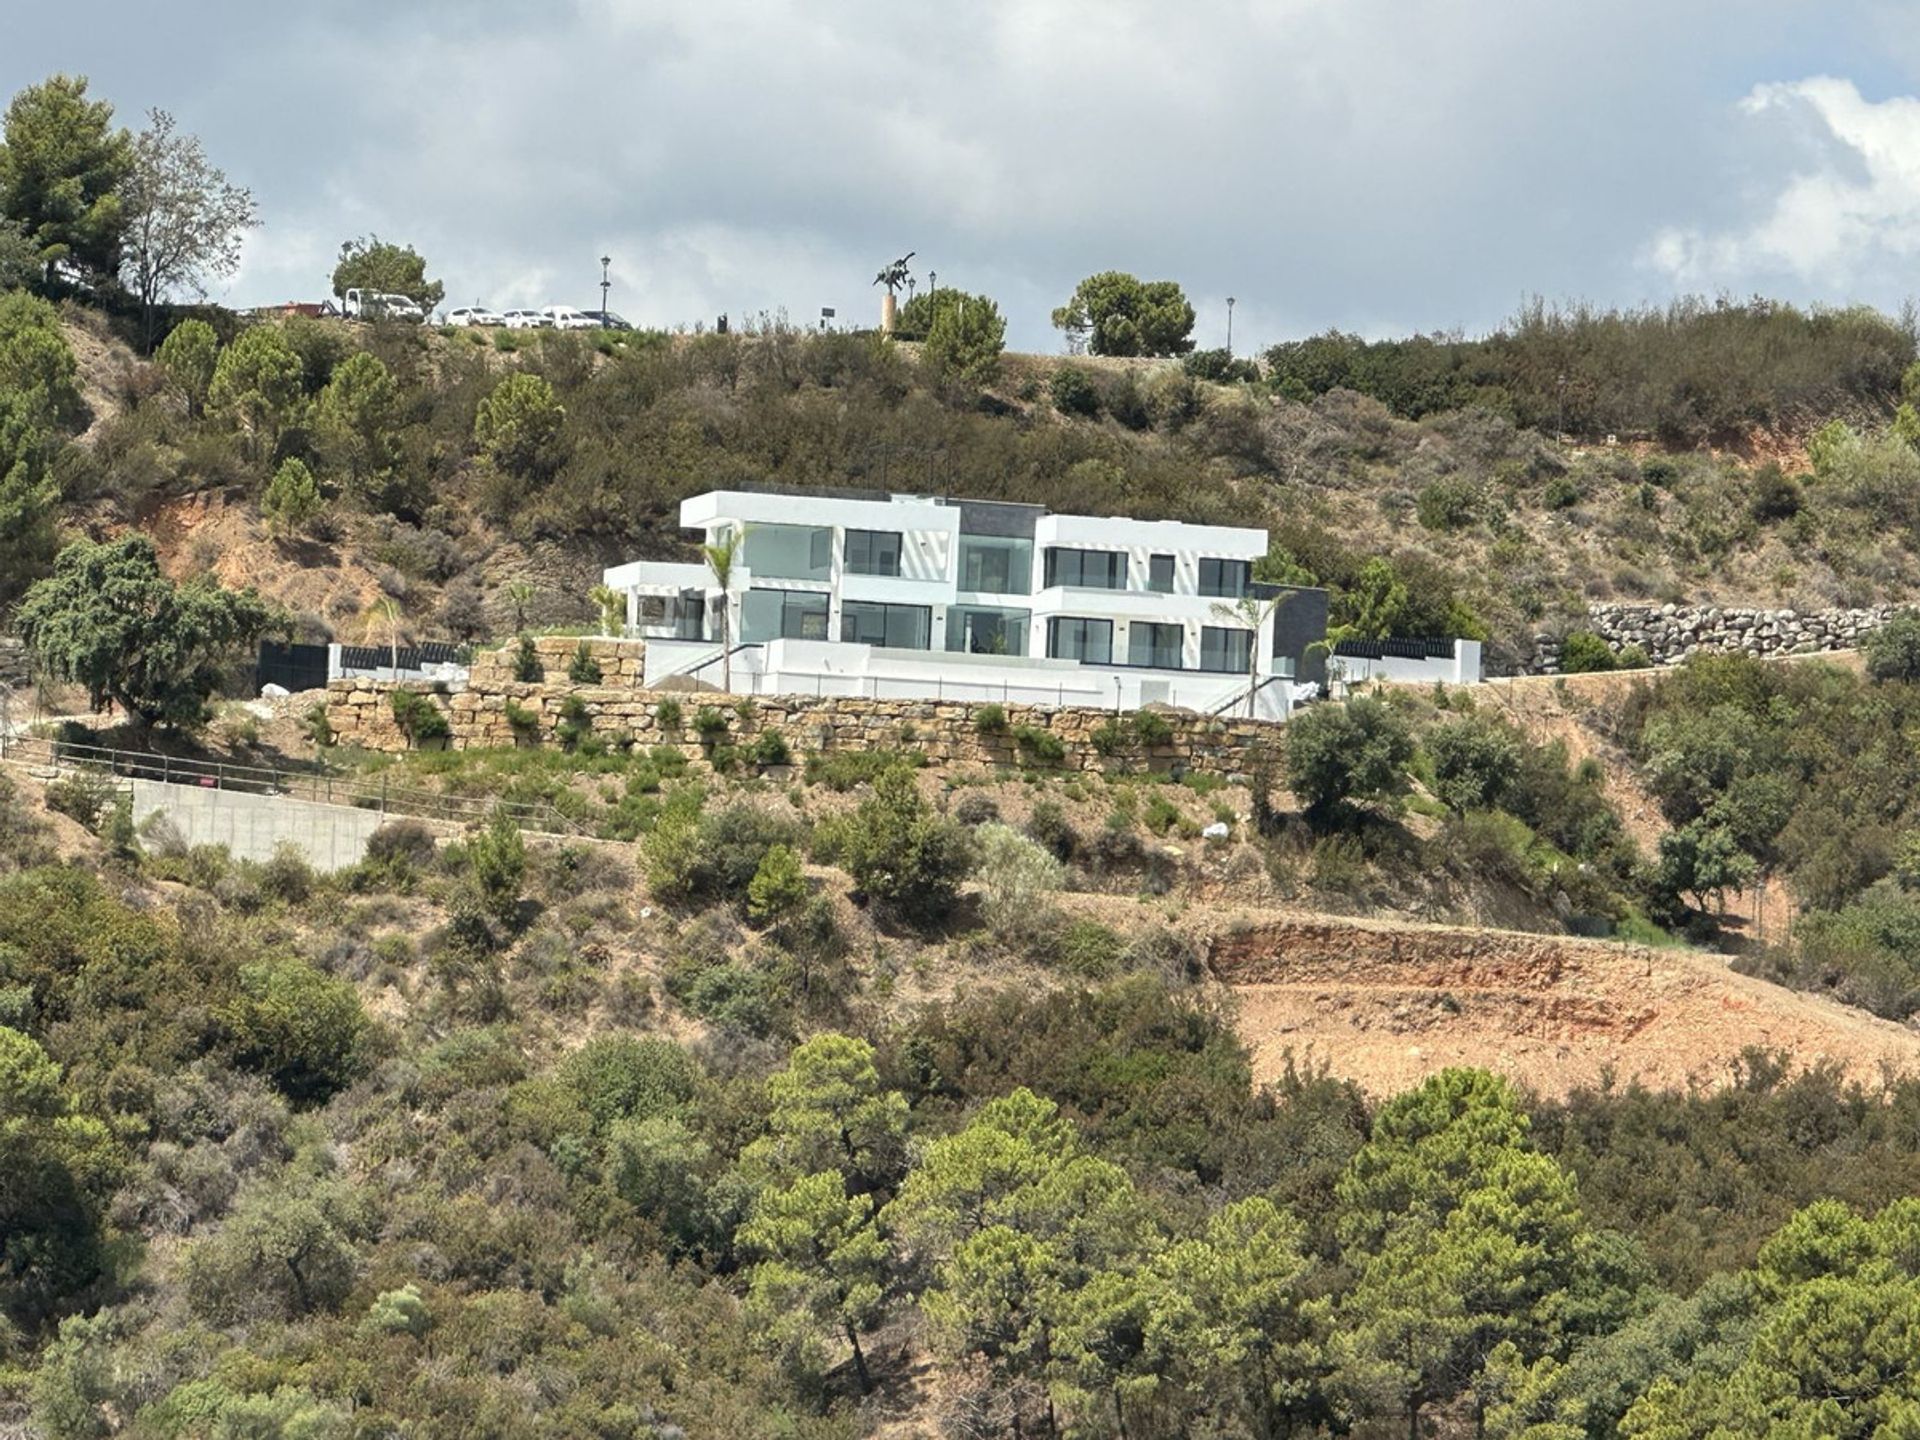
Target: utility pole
605	285
1230	327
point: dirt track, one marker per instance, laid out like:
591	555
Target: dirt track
1387	1004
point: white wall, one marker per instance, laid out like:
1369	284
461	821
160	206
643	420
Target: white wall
1460	668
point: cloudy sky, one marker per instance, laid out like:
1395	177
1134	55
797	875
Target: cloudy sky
1377	165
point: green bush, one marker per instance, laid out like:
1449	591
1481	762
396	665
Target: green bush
1161	814
770	748
616	1077
1450	504
697	857
1340	757
903	857
667	715
83	795
1106	738
779	886
583	669
1584	653
1039	747
990	720
575	728
527	668
1074	392
842	770
709	723
419	719
524	721
1893	651
497	861
300	1028
1151	728
1474	763
1049	825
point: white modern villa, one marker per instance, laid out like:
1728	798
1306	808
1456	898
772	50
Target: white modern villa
929	598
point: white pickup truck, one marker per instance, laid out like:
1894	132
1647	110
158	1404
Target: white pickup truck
377	305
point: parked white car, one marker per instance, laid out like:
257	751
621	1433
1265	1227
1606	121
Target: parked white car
359	304
565	317
474	315
527	320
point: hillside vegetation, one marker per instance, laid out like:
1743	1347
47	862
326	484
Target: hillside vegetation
343	466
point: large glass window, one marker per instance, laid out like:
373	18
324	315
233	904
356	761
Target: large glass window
873	552
1089	569
1070	638
1225	649
977	630
898	627
992	565
1160	574
789	552
1225	578
782	615
1154	644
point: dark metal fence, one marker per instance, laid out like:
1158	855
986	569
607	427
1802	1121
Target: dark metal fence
1397	649
294	667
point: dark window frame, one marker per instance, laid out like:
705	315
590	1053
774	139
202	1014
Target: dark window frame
870	552
1241	647
1218	586
1056	622
1067	565
1155	563
850	610
1157	648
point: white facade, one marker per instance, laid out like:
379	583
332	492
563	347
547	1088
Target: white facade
919	597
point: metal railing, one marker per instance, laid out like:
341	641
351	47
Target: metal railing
319	787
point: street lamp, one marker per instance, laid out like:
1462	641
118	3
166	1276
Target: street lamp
1229	327
605	285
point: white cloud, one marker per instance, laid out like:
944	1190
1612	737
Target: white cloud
1851	207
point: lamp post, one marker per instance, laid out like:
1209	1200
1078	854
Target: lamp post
933	281
1230	327
605	285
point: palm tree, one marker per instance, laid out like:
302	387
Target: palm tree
520	595
1253	611
720	555
611	603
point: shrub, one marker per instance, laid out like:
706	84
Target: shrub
1893	651
1107	737
1014	873
709	723
1160	815
841	770
770	748
1775	495
990	720
300	1028
400	848
497	859
618	1076
779	886
583	669
524	721
1452	503
667	715
1584	652
575	728
1342	756
902	856
1633	657
976	808
1473	763
1562	493
1150	728
694	857
1074	392
527	668
1090	950
418	717
1039	747
1048	824
83	796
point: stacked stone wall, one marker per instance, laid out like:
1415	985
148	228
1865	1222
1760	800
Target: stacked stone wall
360	711
1670	633
622	663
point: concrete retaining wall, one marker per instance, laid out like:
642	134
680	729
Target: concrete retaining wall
252	827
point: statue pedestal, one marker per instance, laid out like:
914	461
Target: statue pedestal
889	313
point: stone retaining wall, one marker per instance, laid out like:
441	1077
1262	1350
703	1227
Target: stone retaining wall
1670	633
361	713
622	662
13	662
